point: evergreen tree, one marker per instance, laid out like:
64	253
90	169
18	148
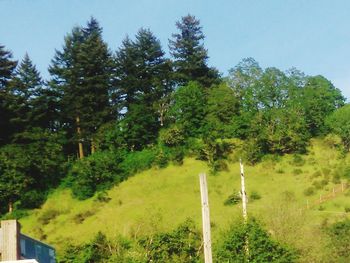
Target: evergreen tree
24	89
189	53
7	66
81	77
143	82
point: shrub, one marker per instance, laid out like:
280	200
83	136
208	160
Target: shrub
180	245
232	199
138	161
347	209
297	160
80	217
262	248
297	171
172	136
47	216
254	196
309	191
96	172
339	234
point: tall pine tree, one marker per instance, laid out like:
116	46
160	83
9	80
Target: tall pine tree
189	53
7	66
81	76
143	81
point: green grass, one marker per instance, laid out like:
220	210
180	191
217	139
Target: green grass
160	199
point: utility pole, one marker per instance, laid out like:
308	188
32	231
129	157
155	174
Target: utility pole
205	218
243	193
244	207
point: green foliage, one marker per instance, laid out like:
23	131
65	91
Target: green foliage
172	136
138	161
97	172
254	195
339	234
233	199
48	215
188	109
309	191
339	123
180	245
190	55
28	170
262	248
100	249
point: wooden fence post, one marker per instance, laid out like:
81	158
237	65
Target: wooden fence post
205	218
10	231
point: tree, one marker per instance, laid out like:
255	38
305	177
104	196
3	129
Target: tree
320	99
143	82
23	91
190	55
7	66
339	123
222	108
189	109
81	76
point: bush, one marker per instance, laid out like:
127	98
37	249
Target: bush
47	216
138	161
309	191
297	160
297	171
180	245
96	172
262	248
232	199
347	209
172	136
339	234
254	196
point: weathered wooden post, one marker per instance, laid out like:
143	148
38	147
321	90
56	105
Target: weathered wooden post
243	193
205	218
244	206
10	240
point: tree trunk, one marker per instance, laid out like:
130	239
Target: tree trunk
80	144
93	147
10	207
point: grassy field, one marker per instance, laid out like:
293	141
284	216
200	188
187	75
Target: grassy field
160	199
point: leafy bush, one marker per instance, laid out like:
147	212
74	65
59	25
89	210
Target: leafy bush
297	160
254	196
172	136
309	191
96	172
297	171
232	199
138	161
339	234
180	245
48	215
261	247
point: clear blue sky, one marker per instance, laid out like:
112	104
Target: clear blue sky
311	35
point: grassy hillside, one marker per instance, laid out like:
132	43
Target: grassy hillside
160	199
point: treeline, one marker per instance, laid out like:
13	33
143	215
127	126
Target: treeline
105	115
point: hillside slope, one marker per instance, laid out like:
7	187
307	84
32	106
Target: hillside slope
160	199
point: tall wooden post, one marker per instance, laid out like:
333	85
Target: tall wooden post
10	242
205	218
244	195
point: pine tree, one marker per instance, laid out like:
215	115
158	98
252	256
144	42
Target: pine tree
7	66
189	53
81	76
24	90
143	80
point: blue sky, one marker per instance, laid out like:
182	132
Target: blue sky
311	35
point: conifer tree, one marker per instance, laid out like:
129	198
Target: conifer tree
24	90
143	81
81	76
7	66
189	53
